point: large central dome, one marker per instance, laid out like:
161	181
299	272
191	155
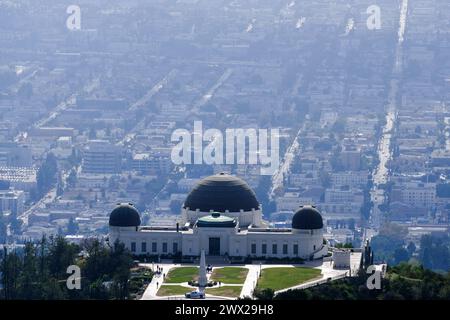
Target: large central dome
221	192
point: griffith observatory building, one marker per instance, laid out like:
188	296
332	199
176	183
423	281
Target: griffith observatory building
222	216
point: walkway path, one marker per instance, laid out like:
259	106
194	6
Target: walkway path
155	284
327	272
250	281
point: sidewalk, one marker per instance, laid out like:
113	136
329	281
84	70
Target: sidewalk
250	281
152	288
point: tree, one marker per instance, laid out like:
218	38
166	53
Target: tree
25	91
97	290
96	264
347	245
351	224
59	189
325	179
3	229
74	158
443	190
336	162
72	178
7	75
339	126
434	252
15	224
262	194
175	206
46	176
92	133
401	255
28	281
323	145
411	248
390	238
122	262
72	227
10	269
40	272
393	230
264	294
52	290
61	255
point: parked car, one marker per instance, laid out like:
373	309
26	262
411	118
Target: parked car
195	295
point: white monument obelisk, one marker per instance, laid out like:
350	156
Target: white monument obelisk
202	280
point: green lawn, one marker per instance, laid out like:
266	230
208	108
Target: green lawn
182	274
280	278
225	291
165	290
230	275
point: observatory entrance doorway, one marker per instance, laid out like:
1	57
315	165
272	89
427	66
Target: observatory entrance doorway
214	246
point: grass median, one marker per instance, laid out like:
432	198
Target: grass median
281	278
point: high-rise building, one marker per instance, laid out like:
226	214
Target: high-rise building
12	201
351	159
418	195
101	156
12	154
